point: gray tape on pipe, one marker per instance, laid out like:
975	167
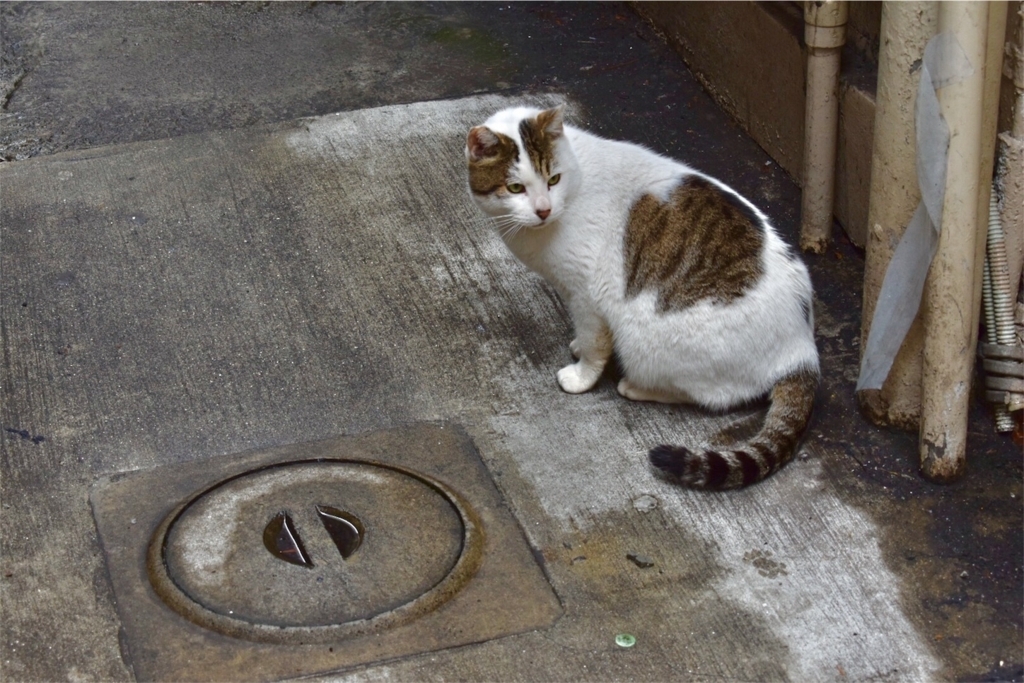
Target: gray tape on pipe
944	63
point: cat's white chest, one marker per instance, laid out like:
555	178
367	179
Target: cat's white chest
578	255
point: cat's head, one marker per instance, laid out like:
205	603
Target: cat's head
522	170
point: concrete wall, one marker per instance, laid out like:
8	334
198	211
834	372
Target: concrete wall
750	57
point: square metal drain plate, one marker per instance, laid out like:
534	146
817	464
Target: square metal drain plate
316	557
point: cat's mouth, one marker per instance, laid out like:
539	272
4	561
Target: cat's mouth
542	222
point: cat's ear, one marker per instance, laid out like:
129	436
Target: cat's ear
550	121
482	143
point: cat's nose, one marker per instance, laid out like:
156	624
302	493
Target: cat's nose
543	213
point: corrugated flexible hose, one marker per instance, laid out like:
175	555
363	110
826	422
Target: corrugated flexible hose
1003	369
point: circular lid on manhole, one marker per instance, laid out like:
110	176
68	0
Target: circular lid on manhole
315	550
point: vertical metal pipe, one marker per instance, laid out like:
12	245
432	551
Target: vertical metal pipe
905	30
1011	176
992	250
995	31
1016	50
953	289
824	33
1011	149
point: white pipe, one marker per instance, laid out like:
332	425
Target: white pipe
1011	174
1015	51
1003	290
825	34
993	65
895	195
950	308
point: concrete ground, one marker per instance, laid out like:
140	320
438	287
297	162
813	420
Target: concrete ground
236	226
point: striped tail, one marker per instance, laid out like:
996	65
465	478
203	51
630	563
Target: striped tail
747	463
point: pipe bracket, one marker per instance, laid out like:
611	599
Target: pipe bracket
824	37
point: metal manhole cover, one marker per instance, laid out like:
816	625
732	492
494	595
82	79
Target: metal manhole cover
316	557
263	555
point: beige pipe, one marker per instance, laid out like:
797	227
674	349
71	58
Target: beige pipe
1015	50
894	195
992	242
952	293
994	31
824	33
1011	175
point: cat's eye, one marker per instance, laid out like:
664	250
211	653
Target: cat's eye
515	188
553	180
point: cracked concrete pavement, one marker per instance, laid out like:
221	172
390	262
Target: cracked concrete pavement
236	226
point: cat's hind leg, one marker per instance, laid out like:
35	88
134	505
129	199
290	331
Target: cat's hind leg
634	393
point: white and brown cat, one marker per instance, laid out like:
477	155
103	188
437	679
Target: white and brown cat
673	271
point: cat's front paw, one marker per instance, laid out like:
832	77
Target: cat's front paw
574	347
577	378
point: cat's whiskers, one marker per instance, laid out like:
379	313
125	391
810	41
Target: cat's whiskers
490	220
507	225
512	230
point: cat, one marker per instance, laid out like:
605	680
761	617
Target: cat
673	271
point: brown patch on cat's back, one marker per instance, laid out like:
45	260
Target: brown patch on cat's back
704	243
539	135
491	154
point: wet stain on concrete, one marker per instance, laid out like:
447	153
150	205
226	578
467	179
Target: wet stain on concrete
930	533
599	571
765	565
26	435
479	45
